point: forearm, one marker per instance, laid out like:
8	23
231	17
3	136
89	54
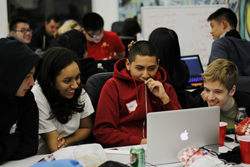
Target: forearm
80	135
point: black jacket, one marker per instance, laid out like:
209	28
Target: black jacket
16	61
39	38
88	67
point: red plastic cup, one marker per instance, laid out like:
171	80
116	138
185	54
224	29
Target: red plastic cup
245	148
223	129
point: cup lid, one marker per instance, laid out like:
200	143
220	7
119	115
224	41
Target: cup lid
245	138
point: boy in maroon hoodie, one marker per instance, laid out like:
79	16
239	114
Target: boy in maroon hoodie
121	111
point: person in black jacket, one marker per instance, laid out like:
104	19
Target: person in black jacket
220	79
19	112
43	35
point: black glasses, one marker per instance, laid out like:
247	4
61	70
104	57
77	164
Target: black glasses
24	31
94	36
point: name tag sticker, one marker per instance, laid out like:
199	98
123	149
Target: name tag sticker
131	106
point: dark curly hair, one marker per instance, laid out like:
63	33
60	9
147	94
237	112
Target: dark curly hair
54	60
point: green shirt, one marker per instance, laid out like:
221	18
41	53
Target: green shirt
229	117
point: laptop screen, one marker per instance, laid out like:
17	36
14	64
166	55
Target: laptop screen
195	68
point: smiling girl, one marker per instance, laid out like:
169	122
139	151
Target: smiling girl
64	106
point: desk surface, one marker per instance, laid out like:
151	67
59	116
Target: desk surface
120	154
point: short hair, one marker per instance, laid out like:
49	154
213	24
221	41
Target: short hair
222	70
55	59
14	22
142	48
54	17
75	41
130	27
67	25
92	22
224	14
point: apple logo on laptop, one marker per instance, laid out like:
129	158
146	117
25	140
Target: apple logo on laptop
184	135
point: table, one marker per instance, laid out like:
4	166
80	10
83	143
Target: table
120	154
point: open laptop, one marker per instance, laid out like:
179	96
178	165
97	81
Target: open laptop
107	64
127	40
195	69
168	132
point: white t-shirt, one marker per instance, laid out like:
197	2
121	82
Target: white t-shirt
46	125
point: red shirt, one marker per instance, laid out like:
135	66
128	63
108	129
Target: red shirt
107	48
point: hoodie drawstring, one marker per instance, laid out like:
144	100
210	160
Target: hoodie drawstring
146	106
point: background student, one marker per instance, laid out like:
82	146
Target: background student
67	25
102	45
228	43
19	112
130	27
76	41
43	35
220	79
167	44
121	111
20	30
64	106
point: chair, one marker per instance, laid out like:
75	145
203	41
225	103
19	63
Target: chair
93	87
117	27
243	84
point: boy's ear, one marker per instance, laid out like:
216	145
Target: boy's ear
127	64
12	32
232	91
83	31
158	62
225	24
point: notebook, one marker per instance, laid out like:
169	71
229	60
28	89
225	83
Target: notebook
195	68
168	132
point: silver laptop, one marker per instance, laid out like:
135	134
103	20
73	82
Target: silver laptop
168	132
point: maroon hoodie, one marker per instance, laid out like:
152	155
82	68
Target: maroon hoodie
117	123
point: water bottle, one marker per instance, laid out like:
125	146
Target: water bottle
241	114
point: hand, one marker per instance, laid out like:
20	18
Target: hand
62	142
203	95
158	90
131	44
143	141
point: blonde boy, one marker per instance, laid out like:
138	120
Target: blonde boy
220	79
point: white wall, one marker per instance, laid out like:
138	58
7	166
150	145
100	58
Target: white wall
4	19
108	9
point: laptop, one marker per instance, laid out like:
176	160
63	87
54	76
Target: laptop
168	132
195	69
107	64
127	40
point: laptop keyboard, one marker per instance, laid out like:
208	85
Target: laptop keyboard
195	80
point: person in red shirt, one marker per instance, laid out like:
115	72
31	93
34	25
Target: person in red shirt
121	111
102	45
